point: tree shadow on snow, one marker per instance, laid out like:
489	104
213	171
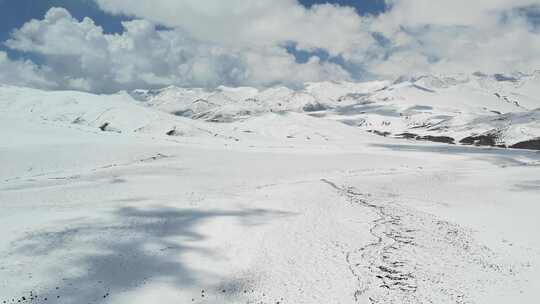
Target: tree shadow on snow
125	250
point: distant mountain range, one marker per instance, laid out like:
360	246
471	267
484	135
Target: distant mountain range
476	109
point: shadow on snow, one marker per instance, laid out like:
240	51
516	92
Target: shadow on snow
124	251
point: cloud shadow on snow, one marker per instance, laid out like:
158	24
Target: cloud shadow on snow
126	250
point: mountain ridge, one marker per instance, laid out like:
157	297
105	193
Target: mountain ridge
477	109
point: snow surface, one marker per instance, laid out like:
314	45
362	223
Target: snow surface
253	199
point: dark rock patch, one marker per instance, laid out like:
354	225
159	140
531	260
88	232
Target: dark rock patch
314	107
352	96
407	135
172	132
440	139
104	126
184	113
533	144
380	133
482	140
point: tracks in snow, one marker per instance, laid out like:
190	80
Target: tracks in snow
416	258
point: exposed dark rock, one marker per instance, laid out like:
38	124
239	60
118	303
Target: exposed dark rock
407	135
184	113
352	96
533	144
104	126
314	107
245	113
380	133
441	139
489	139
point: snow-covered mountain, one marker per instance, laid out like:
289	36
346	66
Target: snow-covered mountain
496	110
226	104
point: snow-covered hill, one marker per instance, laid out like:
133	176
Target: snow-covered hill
496	110
227	104
477	109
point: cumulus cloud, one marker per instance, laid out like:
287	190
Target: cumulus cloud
23	72
337	29
241	42
419	36
478	13
83	57
457	36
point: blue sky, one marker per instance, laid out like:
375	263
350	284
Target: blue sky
14	13
362	6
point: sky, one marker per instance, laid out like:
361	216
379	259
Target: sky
104	46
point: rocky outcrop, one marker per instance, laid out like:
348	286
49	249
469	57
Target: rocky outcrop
533	144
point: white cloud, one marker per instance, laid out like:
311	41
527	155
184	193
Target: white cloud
240	42
84	57
255	23
19	72
456	37
477	13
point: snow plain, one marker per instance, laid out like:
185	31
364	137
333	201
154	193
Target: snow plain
269	207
